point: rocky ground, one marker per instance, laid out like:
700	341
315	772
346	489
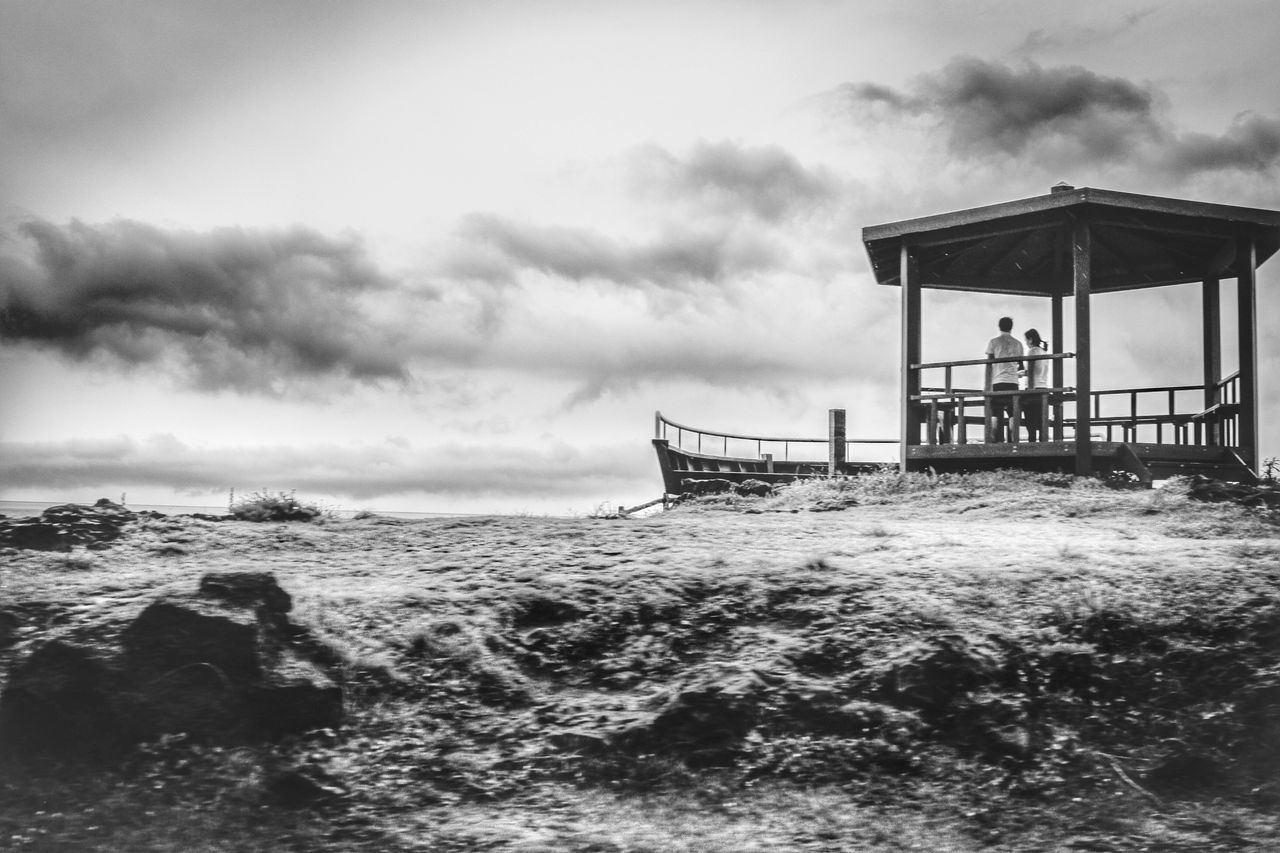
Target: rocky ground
994	662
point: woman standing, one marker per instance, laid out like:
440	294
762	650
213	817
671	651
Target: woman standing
1037	377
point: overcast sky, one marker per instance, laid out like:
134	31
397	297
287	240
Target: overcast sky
452	256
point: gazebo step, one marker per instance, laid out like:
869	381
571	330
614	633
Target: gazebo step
1230	470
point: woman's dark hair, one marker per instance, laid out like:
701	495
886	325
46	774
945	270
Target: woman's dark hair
1034	336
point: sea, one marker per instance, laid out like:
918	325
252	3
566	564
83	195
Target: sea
23	509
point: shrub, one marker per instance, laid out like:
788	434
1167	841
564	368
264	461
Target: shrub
265	506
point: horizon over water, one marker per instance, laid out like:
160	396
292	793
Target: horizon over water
19	509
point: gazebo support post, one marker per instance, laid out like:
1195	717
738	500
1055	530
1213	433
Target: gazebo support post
1055	339
1246	301
1212	316
1081	257
910	419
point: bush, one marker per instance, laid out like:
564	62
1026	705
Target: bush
264	506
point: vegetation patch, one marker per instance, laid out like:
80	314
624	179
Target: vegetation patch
277	506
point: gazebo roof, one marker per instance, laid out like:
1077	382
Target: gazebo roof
1024	247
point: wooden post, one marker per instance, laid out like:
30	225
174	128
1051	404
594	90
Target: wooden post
1055	340
835	441
1044	418
768	462
1211	315
1081	258
910	418
1246	301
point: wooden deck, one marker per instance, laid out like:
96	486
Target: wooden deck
1146	461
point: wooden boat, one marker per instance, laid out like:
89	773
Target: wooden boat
688	459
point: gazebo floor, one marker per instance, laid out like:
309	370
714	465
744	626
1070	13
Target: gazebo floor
1160	460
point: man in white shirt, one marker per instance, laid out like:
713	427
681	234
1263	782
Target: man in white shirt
1003	376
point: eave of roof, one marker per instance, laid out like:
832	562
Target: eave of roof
1171	223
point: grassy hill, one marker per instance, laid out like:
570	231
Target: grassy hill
957	663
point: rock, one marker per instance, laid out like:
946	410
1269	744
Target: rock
293	696
34	536
754	488
223	664
173	633
705	487
64	699
60	527
247	588
1202	488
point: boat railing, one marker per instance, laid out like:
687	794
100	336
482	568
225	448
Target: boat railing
711	442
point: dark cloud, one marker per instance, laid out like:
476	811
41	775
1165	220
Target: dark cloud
987	108
1061	115
238	308
987	105
767	182
1250	144
497	248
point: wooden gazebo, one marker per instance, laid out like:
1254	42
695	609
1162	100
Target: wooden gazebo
1078	243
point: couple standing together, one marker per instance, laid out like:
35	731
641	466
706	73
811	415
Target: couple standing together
1003	376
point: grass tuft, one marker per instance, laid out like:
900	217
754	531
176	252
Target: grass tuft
280	506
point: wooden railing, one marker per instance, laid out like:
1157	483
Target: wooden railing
1211	420
717	443
946	408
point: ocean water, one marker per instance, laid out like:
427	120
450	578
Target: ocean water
22	509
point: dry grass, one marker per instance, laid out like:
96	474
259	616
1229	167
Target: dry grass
466	644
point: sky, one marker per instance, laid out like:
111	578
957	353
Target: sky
452	256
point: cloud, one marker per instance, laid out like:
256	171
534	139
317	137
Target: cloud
988	105
1250	144
498	249
714	215
360	472
767	182
1060	116
1072	36
241	309
987	108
